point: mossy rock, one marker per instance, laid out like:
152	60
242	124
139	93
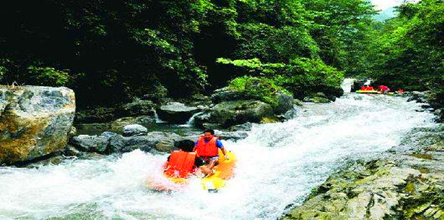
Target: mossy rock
422	156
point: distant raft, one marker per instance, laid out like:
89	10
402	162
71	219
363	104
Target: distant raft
368	92
222	172
374	92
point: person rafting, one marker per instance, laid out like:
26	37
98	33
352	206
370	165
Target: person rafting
367	88
183	162
384	89
207	149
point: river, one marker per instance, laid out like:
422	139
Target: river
279	164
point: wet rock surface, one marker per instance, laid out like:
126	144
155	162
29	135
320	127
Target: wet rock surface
89	143
134	129
405	183
34	121
120	123
176	112
229	113
109	142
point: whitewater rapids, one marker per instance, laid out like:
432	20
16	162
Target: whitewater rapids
279	164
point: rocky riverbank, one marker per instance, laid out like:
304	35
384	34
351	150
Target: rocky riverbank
35	121
407	182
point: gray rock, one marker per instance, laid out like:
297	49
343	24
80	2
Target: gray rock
238	112
89	143
233	136
134	129
316	99
201	119
226	94
285	103
153	141
120	144
242	127
417	96
34	121
176	112
164	141
229	113
400	184
108	134
292	113
72	151
120	123
72	132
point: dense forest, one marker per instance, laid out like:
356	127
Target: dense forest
408	51
114	51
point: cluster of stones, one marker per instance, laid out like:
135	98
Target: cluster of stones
134	136
406	183
227	108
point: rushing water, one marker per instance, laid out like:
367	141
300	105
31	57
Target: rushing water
278	164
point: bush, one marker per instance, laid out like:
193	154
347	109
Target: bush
305	77
302	77
48	76
262	88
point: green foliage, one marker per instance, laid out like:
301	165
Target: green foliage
275	44
411	51
307	76
301	76
3	70
113	51
343	32
262	88
253	66
48	76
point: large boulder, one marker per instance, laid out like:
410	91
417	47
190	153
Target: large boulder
319	97
34	121
89	143
121	144
176	112
231	113
152	142
164	141
418	96
227	94
284	103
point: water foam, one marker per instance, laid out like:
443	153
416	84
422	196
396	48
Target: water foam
278	164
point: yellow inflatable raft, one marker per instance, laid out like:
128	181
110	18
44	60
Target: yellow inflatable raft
374	92
224	170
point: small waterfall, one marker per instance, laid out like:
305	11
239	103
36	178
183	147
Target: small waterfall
158	120
3	91
347	84
190	121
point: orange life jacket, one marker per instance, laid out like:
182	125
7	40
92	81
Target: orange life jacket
181	164
208	149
